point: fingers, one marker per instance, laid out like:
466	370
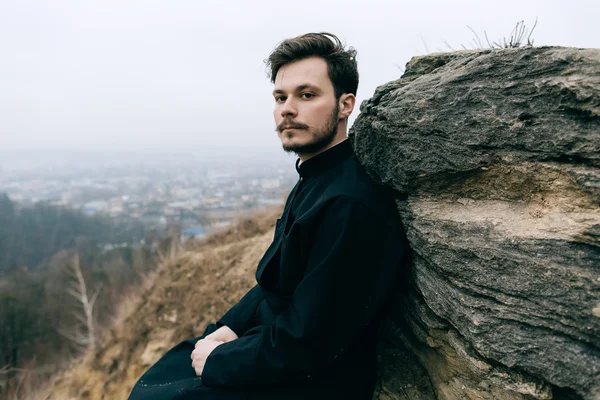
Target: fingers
209	338
198	368
202	350
197	363
202	341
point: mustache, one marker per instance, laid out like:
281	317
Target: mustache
288	124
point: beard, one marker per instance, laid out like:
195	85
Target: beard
321	137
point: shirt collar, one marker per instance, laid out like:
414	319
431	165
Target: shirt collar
325	160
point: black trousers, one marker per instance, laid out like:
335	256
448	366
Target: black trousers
173	378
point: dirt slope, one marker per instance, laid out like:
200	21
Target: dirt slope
190	290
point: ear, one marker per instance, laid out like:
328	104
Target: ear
346	103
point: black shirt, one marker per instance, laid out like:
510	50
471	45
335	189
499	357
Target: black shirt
310	170
322	285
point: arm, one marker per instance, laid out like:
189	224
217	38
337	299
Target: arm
351	270
239	317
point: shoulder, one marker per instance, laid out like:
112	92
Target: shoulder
346	190
352	186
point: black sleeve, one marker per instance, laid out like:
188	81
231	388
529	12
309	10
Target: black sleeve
352	269
240	317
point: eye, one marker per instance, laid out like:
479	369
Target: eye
279	99
307	95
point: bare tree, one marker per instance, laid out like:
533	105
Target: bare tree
84	333
173	248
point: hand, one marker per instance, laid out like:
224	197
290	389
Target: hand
203	349
223	334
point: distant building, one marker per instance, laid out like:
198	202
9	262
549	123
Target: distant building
192	233
94	207
270	183
154	219
271	201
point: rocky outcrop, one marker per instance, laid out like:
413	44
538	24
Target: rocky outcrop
495	156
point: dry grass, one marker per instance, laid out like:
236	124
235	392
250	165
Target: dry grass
519	36
515	39
176	302
246	227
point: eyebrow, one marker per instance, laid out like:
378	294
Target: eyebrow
299	88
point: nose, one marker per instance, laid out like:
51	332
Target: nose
288	109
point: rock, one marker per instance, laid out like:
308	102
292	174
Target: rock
495	158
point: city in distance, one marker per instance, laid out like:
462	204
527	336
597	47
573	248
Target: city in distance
197	191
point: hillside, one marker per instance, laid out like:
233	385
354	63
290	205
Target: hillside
191	289
46	253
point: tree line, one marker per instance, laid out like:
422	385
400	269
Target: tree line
30	235
59	286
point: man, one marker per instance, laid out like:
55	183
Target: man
308	329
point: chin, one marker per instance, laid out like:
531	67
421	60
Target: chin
292	143
292	147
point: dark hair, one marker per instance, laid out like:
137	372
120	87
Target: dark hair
341	63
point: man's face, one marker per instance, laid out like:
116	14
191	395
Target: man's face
306	111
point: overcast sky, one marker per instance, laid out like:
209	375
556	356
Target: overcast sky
185	74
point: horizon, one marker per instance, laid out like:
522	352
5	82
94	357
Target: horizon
199	147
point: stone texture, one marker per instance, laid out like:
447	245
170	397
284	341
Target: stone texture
495	156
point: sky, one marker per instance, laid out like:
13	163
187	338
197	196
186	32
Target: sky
183	75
